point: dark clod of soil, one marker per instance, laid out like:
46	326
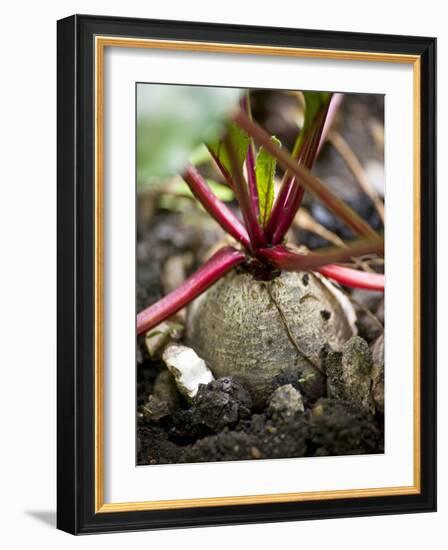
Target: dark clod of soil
221	403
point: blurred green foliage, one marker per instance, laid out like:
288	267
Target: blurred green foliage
180	195
172	121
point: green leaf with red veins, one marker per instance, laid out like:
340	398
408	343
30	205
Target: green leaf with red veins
265	171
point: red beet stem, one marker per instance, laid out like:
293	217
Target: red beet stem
250	161
242	195
310	182
216	208
353	278
333	108
282	257
218	265
291	192
252	179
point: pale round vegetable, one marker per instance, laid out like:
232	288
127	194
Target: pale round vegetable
265	333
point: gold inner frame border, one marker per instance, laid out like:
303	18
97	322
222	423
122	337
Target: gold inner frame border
100	43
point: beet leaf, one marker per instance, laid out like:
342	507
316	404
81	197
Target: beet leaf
265	172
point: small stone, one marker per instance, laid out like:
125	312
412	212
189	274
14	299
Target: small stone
349	374
188	369
369	299
368	326
174	272
164	398
310	381
377	349
255	452
165	390
370	321
285	402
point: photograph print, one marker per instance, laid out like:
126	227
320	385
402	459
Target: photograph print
260	274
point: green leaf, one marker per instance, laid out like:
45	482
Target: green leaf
200	155
240	141
265	172
314	103
223	192
174	203
172	121
179	194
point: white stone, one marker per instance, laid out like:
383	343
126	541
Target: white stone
188	369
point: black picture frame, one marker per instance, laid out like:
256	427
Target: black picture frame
76	254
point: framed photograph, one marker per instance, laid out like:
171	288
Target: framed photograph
246	274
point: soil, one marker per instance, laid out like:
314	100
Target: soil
221	423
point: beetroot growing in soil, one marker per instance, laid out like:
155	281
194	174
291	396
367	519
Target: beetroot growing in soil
265	314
